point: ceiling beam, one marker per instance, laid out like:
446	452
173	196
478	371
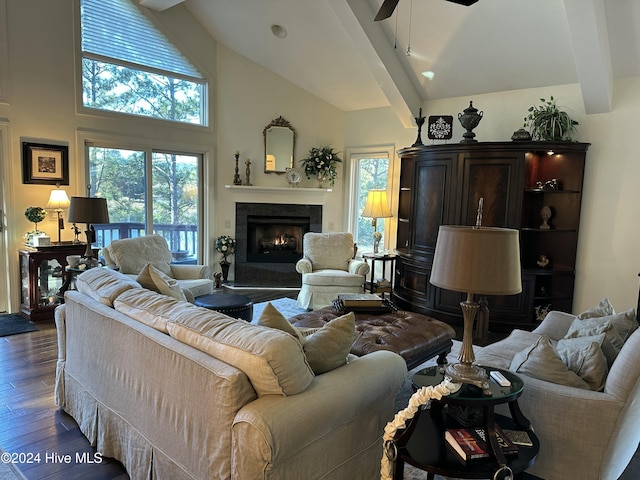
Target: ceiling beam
376	50
159	5
588	30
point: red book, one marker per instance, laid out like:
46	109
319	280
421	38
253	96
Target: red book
470	443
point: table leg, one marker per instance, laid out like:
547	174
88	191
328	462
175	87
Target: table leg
518	416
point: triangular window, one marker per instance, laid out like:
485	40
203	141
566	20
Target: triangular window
129	66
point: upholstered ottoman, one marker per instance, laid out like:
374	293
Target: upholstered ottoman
415	337
236	306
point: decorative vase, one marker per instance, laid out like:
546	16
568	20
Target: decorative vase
225	270
321	179
469	119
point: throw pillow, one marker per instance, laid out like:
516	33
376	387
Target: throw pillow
541	361
602	309
625	323
584	356
152	278
272	318
328	347
612	343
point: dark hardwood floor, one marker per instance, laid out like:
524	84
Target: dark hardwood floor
31	424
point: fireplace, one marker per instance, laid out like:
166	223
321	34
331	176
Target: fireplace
269	242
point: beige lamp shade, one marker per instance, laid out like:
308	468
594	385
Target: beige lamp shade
377	205
88	210
483	261
58	199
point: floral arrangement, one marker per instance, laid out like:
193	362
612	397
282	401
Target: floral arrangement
225	245
35	215
322	163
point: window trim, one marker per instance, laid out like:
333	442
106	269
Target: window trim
352	155
92	139
81	109
4	53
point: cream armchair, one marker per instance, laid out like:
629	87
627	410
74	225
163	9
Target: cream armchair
131	255
328	268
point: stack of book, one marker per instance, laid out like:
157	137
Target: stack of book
471	444
360	300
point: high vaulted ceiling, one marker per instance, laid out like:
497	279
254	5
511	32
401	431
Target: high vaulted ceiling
335	50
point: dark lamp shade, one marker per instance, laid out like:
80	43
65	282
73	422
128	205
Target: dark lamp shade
483	261
88	210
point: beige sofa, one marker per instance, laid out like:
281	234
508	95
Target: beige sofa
215	397
584	433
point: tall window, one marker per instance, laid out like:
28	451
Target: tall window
148	191
368	171
128	66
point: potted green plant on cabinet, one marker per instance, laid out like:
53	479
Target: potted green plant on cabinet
548	123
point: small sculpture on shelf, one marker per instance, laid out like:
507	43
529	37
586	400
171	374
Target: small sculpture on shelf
419	121
545	215
542	311
236	176
544	262
247	162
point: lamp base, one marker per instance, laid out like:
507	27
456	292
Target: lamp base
468	373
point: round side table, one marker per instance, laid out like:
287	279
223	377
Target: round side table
423	444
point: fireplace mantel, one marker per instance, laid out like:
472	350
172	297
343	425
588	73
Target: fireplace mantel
247	188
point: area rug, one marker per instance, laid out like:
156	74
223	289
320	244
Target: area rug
286	306
13	323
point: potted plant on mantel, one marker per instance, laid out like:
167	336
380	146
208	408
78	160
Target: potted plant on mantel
548	123
322	164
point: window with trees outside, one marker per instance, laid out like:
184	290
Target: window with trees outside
148	191
368	171
129	66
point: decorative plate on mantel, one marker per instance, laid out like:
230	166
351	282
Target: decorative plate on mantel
293	176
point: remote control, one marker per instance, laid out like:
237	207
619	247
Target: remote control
499	378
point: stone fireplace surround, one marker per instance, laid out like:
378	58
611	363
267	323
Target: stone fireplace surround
265	274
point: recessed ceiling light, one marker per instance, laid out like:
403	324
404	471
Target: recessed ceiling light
278	30
429	74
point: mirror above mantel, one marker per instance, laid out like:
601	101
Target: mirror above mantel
279	145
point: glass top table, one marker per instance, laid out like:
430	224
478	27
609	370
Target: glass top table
422	443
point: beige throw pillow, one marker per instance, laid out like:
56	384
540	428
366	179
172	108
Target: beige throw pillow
325	348
272	318
154	279
541	361
602	309
584	356
612	343
328	347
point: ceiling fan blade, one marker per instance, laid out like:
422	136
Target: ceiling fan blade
386	10
466	3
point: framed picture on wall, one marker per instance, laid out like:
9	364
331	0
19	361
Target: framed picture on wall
45	164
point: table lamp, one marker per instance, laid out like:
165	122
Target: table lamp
475	260
377	206
88	210
58	200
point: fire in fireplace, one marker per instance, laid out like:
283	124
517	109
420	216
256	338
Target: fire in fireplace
275	239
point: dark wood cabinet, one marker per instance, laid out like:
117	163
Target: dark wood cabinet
442	184
42	273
